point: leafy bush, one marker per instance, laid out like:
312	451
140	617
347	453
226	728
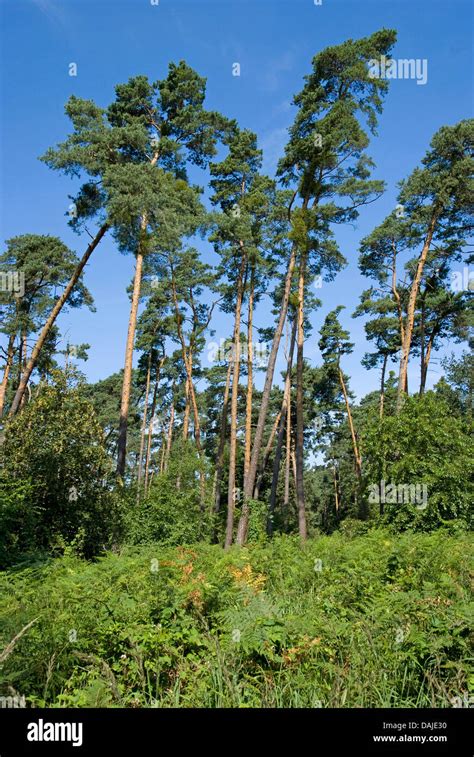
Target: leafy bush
424	446
56	443
19	521
176	509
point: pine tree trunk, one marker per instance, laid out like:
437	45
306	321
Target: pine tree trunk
231	491
426	361
415	287
127	371
143	429
285	409
382	386
357	458
266	456
6	373
248	408
52	318
169	438
222	436
262	415
300	407
151	424
286	494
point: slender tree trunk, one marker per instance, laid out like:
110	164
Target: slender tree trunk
22	367
300	406
187	410
415	287
6	372
286	495
52	318
248	409
127	371
169	438
266	456
336	495
231	491
222	437
426	361
382	385
262	415
355	446
143	429
285	408
152	418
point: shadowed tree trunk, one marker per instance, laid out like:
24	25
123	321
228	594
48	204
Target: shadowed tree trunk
222	437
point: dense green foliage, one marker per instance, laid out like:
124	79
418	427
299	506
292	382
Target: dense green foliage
376	620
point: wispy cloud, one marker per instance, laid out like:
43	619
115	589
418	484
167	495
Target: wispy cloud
273	144
270	78
52	9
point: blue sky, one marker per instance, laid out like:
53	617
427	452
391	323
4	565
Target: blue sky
274	42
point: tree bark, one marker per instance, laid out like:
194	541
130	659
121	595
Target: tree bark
52	318
382	385
355	447
222	436
284	424
152	418
127	371
302	528
262	415
406	346
248	408
169	438
231	491
266	456
6	372
143	429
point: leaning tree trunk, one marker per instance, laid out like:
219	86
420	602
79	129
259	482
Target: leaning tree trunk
300	503
52	318
355	446
265	400
231	490
266	456
6	373
285	409
410	319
